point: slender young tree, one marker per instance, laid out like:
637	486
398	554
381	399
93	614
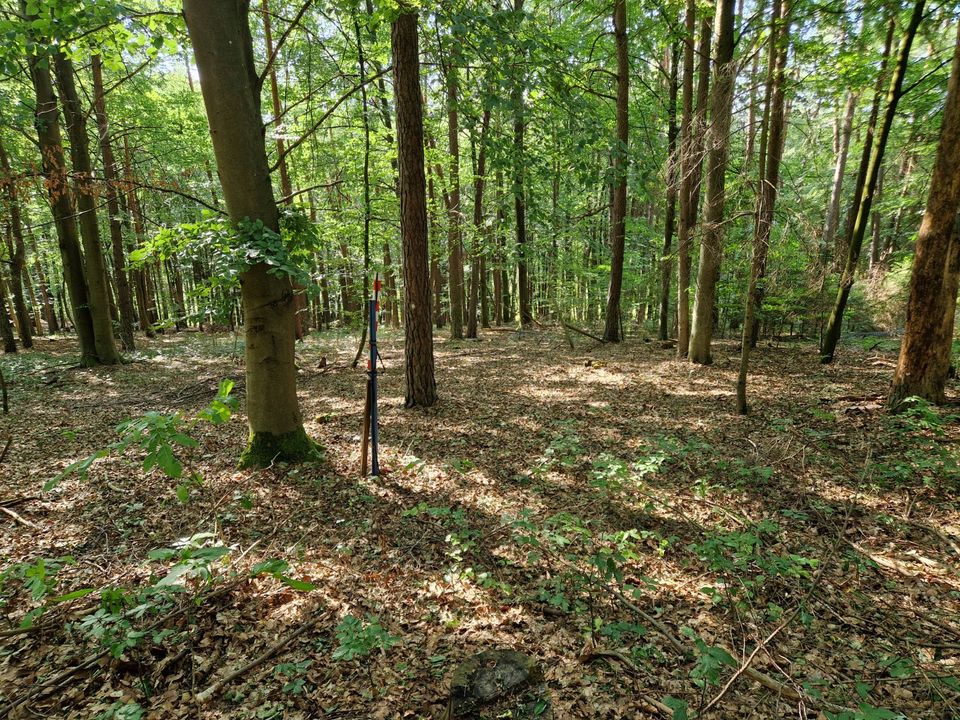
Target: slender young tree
771	152
519	190
477	294
924	360
454	209
421	386
868	181
229	82
17	249
618	211
666	266
718	153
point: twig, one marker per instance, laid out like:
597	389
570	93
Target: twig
6	447
207	694
18	518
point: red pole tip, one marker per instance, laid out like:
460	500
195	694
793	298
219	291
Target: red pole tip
377	285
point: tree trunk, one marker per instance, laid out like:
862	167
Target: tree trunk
124	300
18	253
6	328
220	33
928	335
95	268
836	193
771	152
45	294
718	149
455	212
476	275
666	266
618	213
61	205
519	193
691	162
868	181
421	387
142	285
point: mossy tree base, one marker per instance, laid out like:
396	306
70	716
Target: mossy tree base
264	449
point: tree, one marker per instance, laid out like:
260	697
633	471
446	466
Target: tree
867	180
454	209
666	269
223	47
924	360
771	151
421	386
618	211
519	190
16	249
718	152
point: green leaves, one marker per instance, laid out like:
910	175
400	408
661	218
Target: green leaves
358	639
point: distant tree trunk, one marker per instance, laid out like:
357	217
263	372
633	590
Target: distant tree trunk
876	225
771	150
612	331
61	204
718	149
421	387
479	183
666	266
836	192
928	335
124	299
519	192
455	212
146	309
18	253
220	33
45	294
94	266
6	328
868	181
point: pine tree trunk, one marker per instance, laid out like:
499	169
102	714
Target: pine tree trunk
925	352
718	152
868	181
124	299
95	269
612	331
421	388
220	33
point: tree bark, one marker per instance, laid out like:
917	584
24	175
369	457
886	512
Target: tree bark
454	211
771	152
925	352
421	387
868	181
94	266
519	193
54	167
110	176
49	313
220	33
836	192
146	307
6	328
612	331
718	149
18	253
666	266
476	274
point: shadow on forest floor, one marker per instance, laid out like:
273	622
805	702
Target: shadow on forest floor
554	501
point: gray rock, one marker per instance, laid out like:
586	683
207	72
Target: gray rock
497	682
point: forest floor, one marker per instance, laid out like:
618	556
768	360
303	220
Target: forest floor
603	510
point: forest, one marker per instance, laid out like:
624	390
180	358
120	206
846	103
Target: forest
479	359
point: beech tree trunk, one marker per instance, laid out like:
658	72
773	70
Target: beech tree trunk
868	181
612	331
95	270
61	205
124	299
220	33
718	152
18	253
924	360
421	386
6	328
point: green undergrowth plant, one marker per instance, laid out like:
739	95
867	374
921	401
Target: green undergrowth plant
357	639
924	458
163	438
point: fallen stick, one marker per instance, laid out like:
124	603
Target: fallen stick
584	333
6	447
19	518
217	686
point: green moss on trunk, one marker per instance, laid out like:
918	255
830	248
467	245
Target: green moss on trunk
265	448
